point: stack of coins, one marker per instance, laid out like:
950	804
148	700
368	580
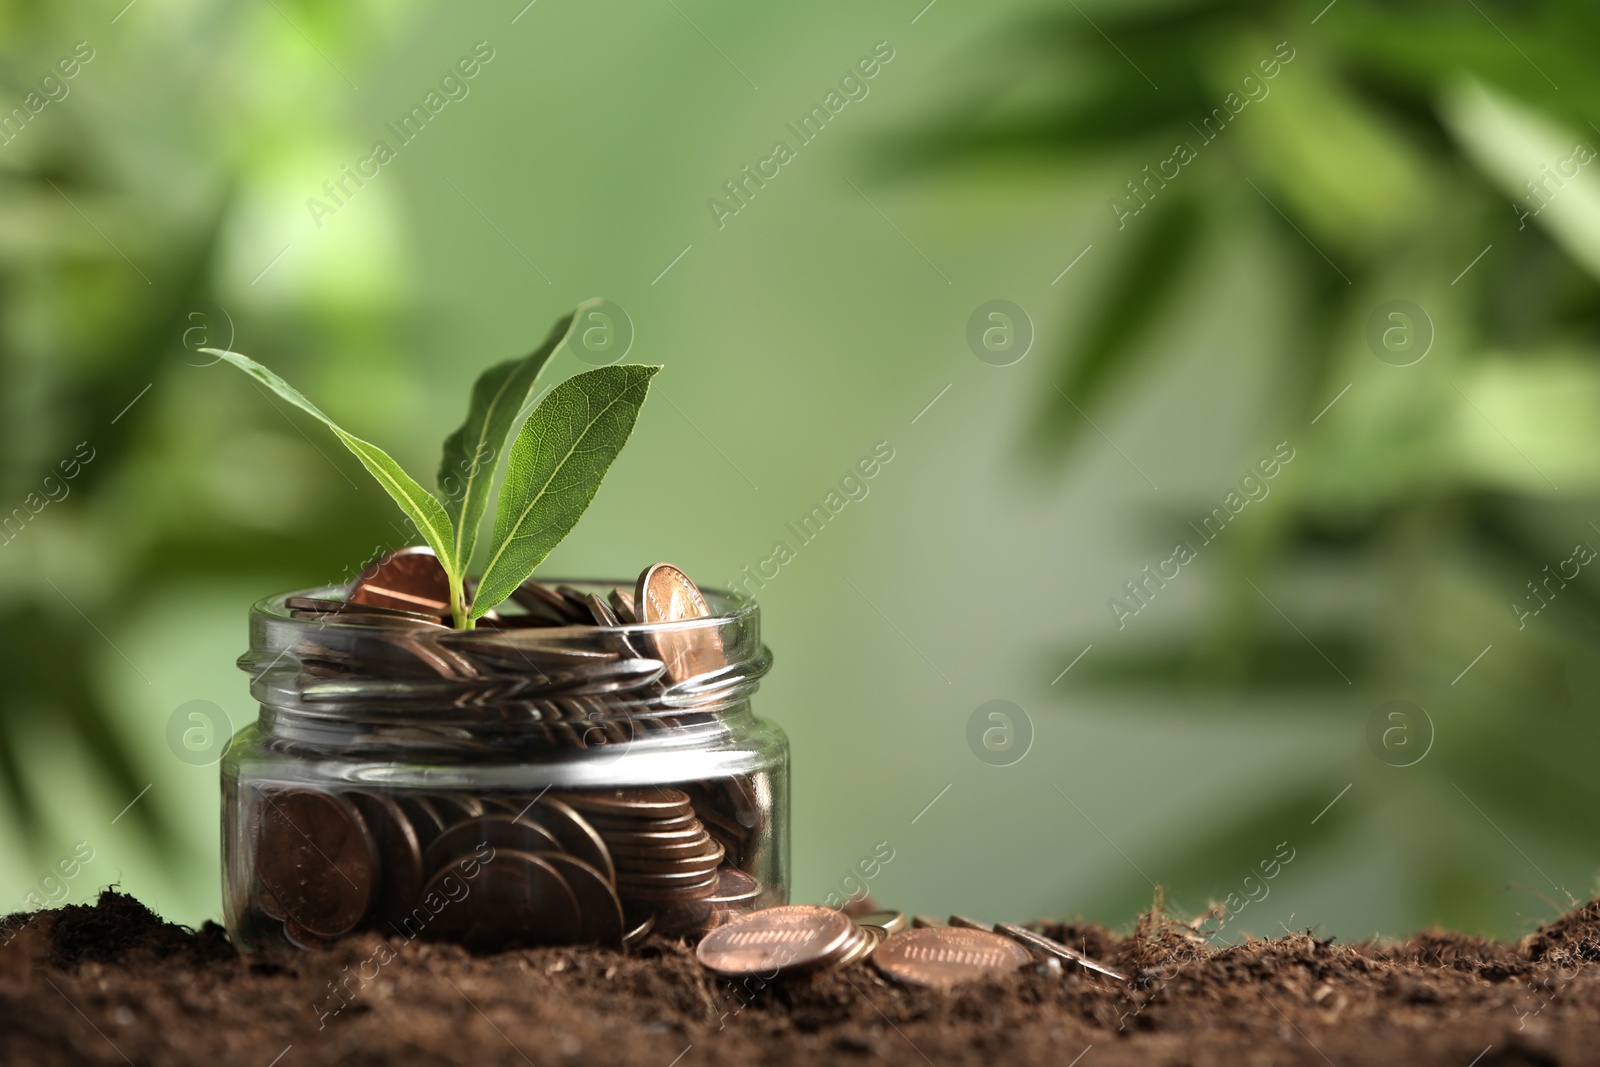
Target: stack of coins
493	871
666	862
786	940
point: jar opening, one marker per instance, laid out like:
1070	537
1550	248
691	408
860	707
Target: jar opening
509	682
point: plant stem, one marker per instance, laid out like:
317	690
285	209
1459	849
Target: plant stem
458	609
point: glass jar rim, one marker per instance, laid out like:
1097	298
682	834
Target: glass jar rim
733	607
288	659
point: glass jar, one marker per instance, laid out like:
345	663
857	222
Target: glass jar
500	787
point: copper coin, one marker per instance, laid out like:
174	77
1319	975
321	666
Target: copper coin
632	894
453	807
790	938
500	830
621	601
540	598
317	858
687	917
573	832
599	910
863	945
638	933
516	899
969	924
269	904
603	615
1051	947
650	841
301	938
647	802
323	606
890	922
399	855
707	860
445	662
925	922
734	887
627	854
424	816
629	880
941	957
578	600
666	595
612	824
411	579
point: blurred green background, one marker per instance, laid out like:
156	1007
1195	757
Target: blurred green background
1446	454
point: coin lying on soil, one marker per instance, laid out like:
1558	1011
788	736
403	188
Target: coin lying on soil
789	939
945	956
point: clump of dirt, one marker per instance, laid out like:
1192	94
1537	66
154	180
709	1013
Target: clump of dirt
118	929
112	983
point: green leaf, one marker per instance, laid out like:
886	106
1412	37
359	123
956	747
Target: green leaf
556	464
1108	348
418	504
466	469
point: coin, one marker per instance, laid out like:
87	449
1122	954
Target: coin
317	858
652	802
941	957
301	938
577	837
499	831
700	864
859	948
411	579
925	922
968	924
687	884
515	900
424	817
599	910
621	827
666	851
601	611
269	904
638	933
538	597
890	922
445	662
622	603
337	610
654	842
666	595
457	806
790	938
735	888
1052	947
399	855
634	894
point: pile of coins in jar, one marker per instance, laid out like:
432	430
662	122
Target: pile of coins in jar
809	938
559	866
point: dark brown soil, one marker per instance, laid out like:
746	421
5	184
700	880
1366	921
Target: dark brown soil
113	984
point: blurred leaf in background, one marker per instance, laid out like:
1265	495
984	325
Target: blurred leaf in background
1448	455
122	252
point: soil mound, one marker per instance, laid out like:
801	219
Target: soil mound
112	983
